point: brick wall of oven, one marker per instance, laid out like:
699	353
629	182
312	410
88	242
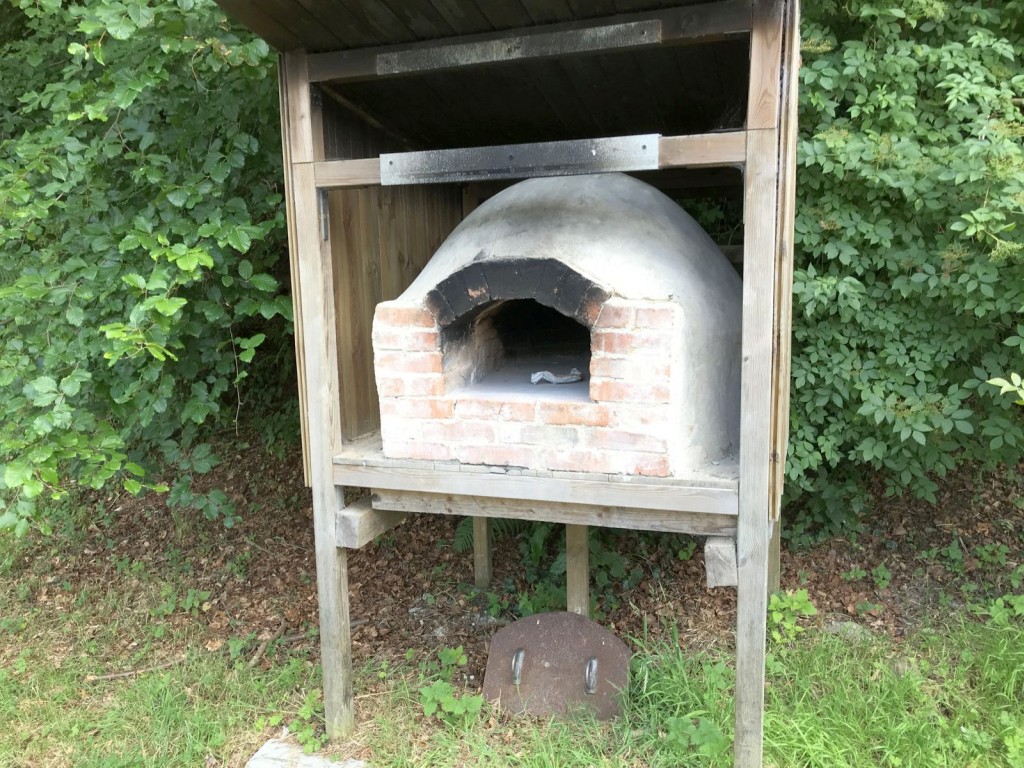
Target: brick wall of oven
631	426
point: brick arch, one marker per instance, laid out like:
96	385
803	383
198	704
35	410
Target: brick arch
545	280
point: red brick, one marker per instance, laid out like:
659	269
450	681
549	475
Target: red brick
396	363
611	391
402	316
632	342
419	451
576	461
621	440
633	368
548	436
651	465
405	339
496	455
417	408
517	411
473	408
646	417
458	431
410	386
659	318
589	414
615	316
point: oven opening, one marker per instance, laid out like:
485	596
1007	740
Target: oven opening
498	348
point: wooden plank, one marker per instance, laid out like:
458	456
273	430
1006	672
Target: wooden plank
765	65
481	552
703	150
688	25
335	174
760	216
320	353
667	498
355	253
784	286
632	518
299	117
256	18
289	198
698	151
577	570
359	523
720	561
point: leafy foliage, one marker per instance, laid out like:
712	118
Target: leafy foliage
910	262
140	228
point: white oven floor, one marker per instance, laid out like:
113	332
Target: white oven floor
512	380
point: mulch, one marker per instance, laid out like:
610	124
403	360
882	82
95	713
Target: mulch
409	591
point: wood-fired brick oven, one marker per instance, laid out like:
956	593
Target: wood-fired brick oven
603	274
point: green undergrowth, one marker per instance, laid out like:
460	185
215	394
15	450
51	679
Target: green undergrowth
950	695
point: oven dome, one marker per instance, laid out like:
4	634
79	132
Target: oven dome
658	311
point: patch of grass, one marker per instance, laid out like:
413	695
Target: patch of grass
949	696
58	641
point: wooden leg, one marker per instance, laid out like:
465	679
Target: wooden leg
577	569
775	557
335	630
751	610
481	552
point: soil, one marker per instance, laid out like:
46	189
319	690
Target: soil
410	589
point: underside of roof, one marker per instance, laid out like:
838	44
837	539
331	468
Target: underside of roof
346	24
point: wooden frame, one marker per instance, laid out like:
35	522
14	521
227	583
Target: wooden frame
332	268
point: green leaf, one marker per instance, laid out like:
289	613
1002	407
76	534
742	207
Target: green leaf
263	282
244	269
16	474
239	239
75	315
169	306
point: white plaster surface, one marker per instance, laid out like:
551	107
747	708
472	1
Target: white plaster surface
635	242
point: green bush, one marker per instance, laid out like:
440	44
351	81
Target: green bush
910	262
140	227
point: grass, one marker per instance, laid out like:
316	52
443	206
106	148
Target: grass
950	696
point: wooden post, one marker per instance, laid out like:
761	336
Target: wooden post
577	569
481	552
756	408
312	262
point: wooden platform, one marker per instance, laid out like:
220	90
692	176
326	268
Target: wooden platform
703	502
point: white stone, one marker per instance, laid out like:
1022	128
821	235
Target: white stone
281	754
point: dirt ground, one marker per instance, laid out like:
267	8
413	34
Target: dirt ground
410	590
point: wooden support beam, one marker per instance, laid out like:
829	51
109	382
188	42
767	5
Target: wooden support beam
359	523
691	24
565	513
481	552
335	174
755	443
720	561
313	269
703	150
784	285
603	493
697	151
577	569
765	65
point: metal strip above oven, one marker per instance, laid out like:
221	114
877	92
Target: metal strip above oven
521	161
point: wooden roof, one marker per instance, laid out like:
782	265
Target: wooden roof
346	24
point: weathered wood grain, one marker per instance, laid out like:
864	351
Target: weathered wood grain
553	512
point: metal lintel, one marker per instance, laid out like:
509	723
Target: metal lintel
517	161
534	46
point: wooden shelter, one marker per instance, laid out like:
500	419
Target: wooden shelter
399	118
